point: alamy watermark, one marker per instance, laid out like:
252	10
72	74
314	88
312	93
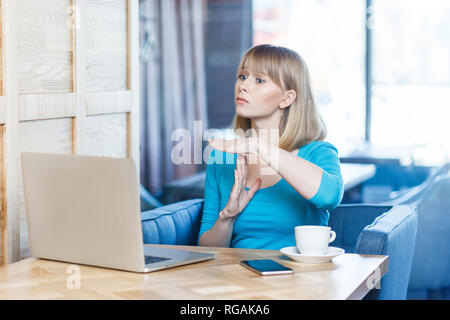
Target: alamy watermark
374	280
189	149
74	280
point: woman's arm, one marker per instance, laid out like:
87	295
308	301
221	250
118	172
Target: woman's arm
216	227
318	180
220	233
305	178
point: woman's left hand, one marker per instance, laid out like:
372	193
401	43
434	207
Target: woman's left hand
247	145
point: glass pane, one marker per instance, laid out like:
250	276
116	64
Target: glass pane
411	88
329	35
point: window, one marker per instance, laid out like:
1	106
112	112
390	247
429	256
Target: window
410	52
329	35
411	79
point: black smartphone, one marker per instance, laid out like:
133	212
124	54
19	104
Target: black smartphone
266	267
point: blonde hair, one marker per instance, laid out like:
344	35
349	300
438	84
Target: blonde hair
301	122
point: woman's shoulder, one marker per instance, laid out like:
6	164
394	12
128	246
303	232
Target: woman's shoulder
320	144
316	148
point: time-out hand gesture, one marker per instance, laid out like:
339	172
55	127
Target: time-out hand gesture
240	197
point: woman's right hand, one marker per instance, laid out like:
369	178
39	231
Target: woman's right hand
239	197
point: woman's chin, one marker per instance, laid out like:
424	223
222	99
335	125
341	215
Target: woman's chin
240	111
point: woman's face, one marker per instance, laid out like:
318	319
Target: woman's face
256	95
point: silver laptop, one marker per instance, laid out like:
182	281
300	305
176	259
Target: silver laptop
86	210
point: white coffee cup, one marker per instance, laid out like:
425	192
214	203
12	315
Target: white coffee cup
313	240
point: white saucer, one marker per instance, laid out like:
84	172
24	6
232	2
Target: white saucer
294	254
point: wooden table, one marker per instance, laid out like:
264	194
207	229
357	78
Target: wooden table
348	276
379	155
354	174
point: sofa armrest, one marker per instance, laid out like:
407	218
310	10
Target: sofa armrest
392	234
349	220
176	223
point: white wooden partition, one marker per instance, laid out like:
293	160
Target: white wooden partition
68	84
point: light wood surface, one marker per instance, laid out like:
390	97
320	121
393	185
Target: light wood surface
105	25
348	276
3	225
1	55
69	83
2	110
106	135
353	174
44	47
9	14
47	106
108	102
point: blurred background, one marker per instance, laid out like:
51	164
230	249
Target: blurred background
380	75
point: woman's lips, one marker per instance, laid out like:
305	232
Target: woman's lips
241	100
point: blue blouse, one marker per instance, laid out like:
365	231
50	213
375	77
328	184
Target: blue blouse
269	219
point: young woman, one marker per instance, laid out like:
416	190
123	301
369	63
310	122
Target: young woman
283	174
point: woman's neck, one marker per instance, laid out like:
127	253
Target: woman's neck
270	135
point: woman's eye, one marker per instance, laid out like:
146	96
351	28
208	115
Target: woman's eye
258	80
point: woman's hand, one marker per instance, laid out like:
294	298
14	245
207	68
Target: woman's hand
221	232
247	145
239	197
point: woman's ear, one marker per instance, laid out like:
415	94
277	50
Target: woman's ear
289	99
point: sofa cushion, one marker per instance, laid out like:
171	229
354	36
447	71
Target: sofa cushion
392	234
176	223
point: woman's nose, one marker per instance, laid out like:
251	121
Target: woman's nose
243	87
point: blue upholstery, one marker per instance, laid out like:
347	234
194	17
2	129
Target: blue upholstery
391	179
363	229
430	274
385	230
432	257
176	223
411	195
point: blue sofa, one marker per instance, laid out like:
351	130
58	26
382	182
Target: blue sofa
430	272
362	229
